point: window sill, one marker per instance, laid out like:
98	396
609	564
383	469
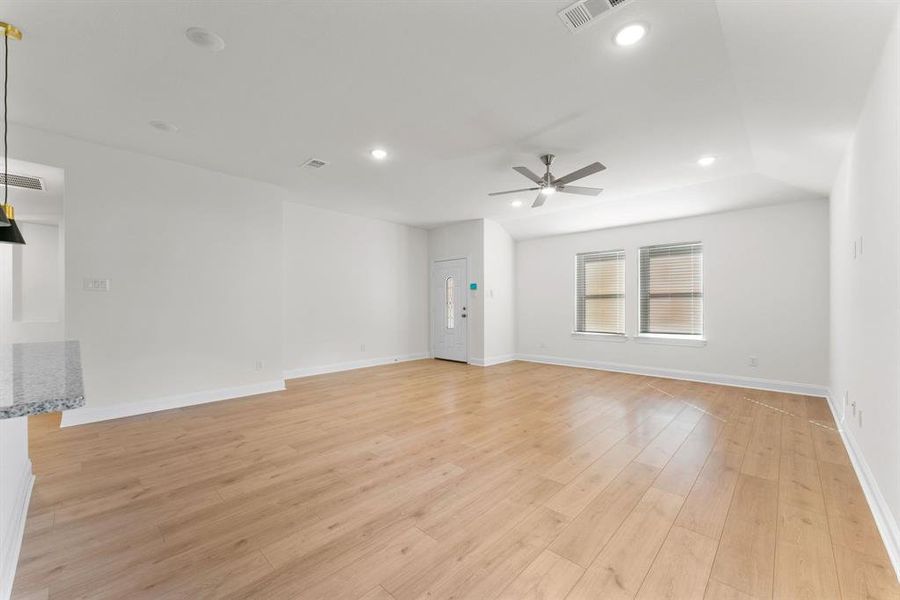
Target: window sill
600	337
671	340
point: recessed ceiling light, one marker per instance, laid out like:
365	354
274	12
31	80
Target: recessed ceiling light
379	154
516	203
164	126
205	38
548	191
631	34
706	161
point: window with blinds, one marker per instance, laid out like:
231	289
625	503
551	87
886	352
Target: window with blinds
600	292
671	289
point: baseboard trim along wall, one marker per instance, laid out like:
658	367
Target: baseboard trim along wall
492	360
16	528
884	519
91	414
789	387
351	365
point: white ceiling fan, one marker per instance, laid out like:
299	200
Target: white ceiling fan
548	184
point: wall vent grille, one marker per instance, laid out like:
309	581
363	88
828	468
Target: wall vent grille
315	163
22	181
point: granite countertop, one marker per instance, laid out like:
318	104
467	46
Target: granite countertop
39	378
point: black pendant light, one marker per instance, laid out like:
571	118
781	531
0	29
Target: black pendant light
9	231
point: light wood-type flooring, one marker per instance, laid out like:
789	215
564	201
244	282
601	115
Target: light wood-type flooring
432	479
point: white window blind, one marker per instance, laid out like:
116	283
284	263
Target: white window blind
671	289
600	292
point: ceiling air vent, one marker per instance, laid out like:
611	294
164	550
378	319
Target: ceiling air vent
23	181
583	13
315	163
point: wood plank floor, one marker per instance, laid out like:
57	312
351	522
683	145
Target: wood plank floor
434	480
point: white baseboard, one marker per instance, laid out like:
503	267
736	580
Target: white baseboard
91	414
884	519
16	528
351	365
492	360
789	387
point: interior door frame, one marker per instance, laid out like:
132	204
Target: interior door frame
431	302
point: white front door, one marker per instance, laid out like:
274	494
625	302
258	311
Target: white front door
449	293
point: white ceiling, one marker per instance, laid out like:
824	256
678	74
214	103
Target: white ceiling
460	91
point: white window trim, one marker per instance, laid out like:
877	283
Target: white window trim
600	337
671	339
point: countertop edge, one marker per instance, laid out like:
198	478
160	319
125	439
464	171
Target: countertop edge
40	377
41	407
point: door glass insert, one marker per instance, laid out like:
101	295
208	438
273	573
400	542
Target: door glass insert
450	316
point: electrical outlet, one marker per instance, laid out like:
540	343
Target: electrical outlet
362	347
260	365
754	361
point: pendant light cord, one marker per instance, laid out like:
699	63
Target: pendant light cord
5	121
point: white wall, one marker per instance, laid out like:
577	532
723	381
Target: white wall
39	297
6	293
32	301
499	292
765	288
865	295
355	293
195	263
15	487
220	284
465	240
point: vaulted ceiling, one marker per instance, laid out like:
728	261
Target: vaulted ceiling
459	91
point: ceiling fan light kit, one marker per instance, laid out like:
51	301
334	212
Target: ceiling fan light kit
548	184
9	231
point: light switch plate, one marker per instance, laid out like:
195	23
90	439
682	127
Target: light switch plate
96	285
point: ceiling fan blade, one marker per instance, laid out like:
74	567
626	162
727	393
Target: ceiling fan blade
529	174
539	201
513	191
584	191
582	172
